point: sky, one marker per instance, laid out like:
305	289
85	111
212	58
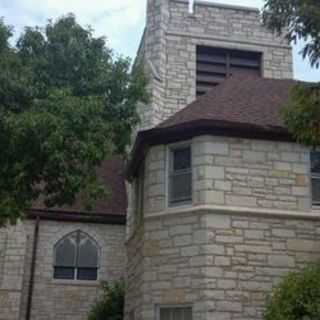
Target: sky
120	21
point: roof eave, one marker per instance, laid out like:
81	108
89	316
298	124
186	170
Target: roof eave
189	130
72	216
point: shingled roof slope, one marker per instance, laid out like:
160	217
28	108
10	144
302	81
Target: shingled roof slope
247	107
241	101
111	174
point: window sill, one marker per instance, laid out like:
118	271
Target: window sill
265	212
84	283
183	205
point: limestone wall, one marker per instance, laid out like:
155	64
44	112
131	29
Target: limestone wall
169	49
71	300
223	265
238	173
135	275
12	261
53	299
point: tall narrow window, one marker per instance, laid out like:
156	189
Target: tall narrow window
315	177
180	176
76	257
214	65
175	313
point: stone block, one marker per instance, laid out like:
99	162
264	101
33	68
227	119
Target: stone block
212	249
222	261
213	172
283	233
190	251
281	261
180	229
223	185
254	234
217	221
182	240
229	306
212	197
303	245
254	156
242	201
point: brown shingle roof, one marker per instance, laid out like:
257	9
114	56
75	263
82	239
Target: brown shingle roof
249	101
111	174
248	107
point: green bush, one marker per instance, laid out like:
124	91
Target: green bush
297	297
110	305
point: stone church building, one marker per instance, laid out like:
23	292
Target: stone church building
216	203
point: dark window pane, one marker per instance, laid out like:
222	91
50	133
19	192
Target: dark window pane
64	273
88	253
315	162
316	191
87	274
178	313
180	187
66	252
165	314
181	159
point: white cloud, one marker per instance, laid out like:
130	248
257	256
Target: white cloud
121	21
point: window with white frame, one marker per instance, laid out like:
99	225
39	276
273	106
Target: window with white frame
76	257
175	313
315	177
180	175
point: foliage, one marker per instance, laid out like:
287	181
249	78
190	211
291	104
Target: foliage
300	19
297	297
110	306
67	102
302	114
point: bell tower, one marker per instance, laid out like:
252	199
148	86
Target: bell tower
189	44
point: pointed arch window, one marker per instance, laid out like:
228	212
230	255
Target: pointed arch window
76	257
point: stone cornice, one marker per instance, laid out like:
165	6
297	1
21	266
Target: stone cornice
219	5
223	39
243	211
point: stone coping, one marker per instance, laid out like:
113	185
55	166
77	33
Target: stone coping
234	41
220	5
244	211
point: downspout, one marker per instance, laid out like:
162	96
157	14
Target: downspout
33	267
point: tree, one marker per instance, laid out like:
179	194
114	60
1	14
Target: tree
111	303
300	19
297	297
67	102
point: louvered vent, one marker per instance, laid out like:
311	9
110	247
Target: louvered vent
214	65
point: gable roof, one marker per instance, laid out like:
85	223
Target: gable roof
111	209
247	107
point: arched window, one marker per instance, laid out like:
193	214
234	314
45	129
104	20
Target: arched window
76	257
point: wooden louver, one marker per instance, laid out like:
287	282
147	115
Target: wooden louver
216	64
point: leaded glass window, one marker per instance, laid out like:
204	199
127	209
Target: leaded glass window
76	257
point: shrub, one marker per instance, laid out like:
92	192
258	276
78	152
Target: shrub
110	305
297	297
